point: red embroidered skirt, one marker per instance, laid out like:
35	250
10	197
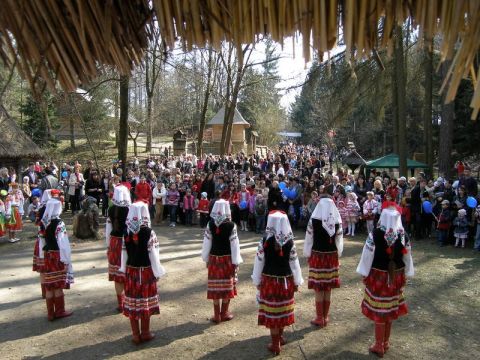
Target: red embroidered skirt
55	272
323	271
382	301
221	278
276	301
114	255
141	297
14	223
38	262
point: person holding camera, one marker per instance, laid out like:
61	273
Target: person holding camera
75	188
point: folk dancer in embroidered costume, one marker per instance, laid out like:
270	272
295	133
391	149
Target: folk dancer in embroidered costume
115	229
277	275
3	229
386	260
57	273
38	264
13	212
322	248
221	253
142	268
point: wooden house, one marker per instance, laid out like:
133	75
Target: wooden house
238	140
16	147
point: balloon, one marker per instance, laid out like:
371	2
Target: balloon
243	205
292	194
36	192
64	174
282	186
427	207
471	202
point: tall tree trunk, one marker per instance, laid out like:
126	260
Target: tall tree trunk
48	124
203	115
117	111
400	85
394	112
123	122
149	123
72	132
445	140
427	109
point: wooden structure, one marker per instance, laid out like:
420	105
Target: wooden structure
238	141
252	144
179	143
16	147
64	41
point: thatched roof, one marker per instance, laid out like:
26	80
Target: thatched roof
65	40
14	143
219	118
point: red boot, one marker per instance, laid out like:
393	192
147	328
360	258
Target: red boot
283	340
318	321
135	331
326	309
146	335
274	346
50	309
44	291
225	314
388	327
60	311
378	348
216	314
120	303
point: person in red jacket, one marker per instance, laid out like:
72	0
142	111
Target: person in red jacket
203	209
143	191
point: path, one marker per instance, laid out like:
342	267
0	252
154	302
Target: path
444	300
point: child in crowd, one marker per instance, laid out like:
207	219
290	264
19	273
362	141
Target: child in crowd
352	208
202	209
33	209
260	212
370	208
188	207
461	228
443	223
406	210
172	201
251	208
427	215
13	212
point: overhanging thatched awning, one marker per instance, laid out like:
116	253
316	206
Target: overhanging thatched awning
64	40
14	143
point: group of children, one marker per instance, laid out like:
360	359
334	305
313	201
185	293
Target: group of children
11	212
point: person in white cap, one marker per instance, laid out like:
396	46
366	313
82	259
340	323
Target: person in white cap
115	229
277	275
221	253
322	248
386	260
38	259
142	268
57	272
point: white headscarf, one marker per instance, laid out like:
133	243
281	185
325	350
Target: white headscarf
138	216
391	222
45	197
327	212
279	227
121	196
221	211
53	210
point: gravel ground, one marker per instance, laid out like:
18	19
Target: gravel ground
443	299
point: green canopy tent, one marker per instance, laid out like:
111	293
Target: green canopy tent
391	161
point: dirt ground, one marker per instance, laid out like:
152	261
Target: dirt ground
443	299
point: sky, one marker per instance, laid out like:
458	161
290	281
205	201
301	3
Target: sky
291	68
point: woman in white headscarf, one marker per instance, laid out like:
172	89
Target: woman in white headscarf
386	260
277	275
142	268
322	248
114	232
221	252
57	272
38	259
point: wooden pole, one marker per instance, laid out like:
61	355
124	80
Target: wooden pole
123	123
